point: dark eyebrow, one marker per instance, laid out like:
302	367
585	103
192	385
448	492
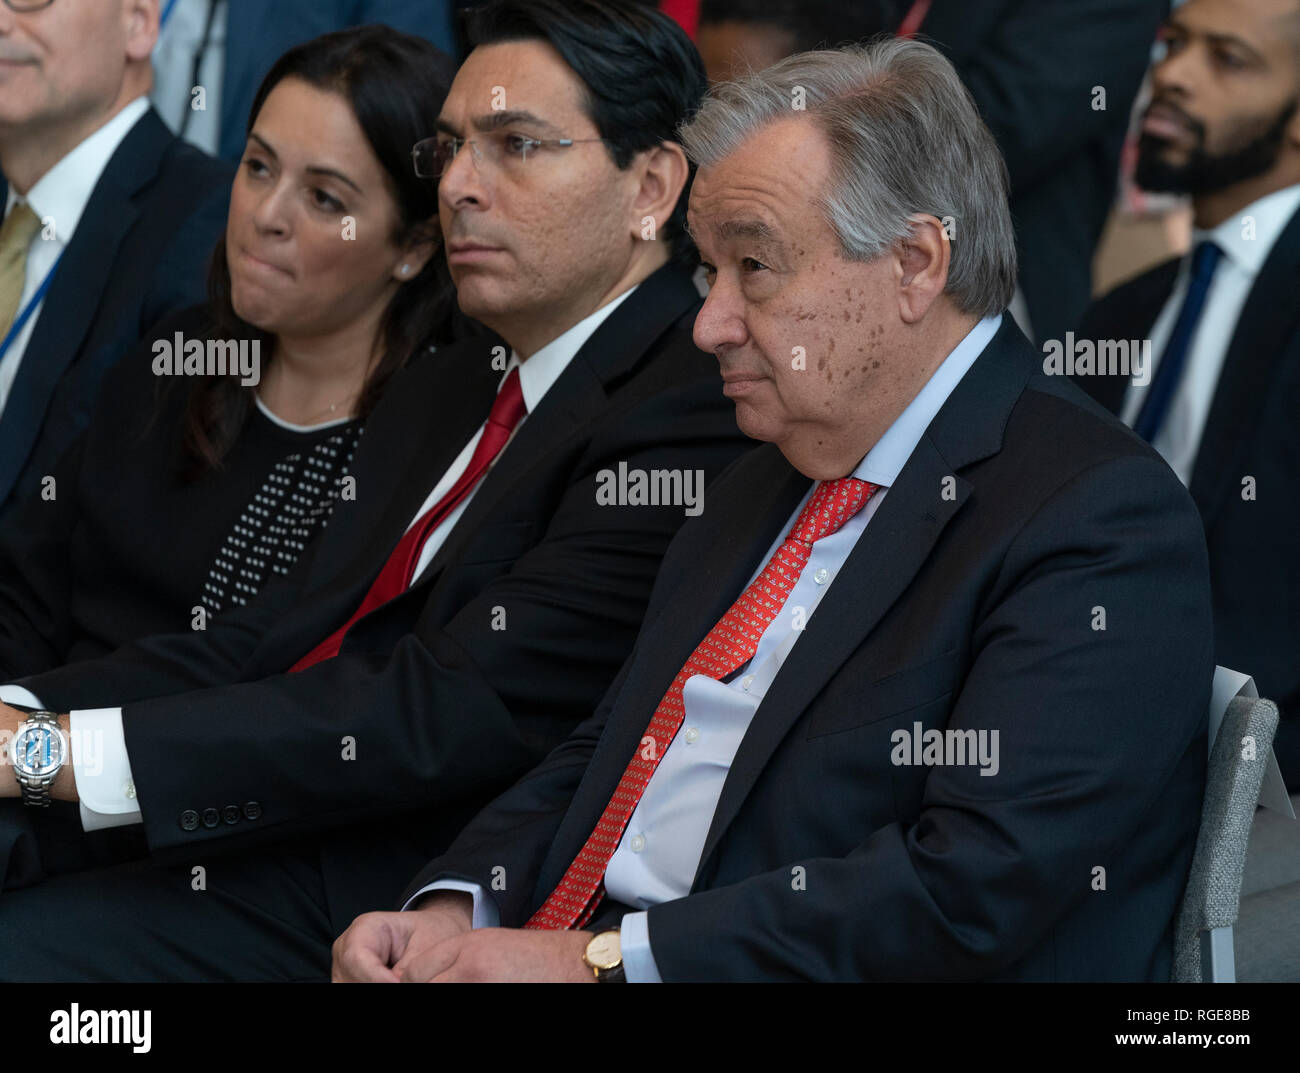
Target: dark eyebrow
512	117
1217	39
314	169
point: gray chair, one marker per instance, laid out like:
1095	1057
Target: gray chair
1203	939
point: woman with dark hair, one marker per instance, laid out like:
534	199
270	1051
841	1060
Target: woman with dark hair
219	447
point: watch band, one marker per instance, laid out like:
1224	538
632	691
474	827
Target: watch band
36	789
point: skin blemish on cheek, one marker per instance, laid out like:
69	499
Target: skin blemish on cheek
875	364
821	363
846	316
805	314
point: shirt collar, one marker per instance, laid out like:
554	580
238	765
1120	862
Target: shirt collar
883	462
538	373
1270	214
62	193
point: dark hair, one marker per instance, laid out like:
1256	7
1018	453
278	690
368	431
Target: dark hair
642	75
811	23
395	84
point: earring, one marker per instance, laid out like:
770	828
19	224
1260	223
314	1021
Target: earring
406	270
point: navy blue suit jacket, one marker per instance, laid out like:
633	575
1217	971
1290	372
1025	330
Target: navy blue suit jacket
140	252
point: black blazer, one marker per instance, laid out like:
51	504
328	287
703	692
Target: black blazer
1251	431
124	548
140	251
974	612
460	685
1031	66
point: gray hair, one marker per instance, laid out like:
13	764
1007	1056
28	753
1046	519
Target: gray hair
905	137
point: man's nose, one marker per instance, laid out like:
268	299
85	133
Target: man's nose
462	180
720	321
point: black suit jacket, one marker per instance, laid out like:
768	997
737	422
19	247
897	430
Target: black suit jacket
974	612
140	252
1032	66
1251	431
451	691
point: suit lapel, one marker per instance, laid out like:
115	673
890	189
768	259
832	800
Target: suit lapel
426	416
576	397
1268	322
1129	316
79	283
757	507
890	552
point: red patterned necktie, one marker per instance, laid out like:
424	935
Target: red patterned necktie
395	578
726	647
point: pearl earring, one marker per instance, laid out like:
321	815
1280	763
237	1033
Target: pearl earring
406	270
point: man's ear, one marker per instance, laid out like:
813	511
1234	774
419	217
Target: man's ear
141	21
923	259
662	173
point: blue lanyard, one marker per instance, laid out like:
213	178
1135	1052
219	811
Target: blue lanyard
30	308
167	14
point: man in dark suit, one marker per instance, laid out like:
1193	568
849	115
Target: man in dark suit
109	220
923	694
1221	325
1055	81
457	618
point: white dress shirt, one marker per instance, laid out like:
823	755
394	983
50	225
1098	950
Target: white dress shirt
58	198
660	850
101	767
1179	437
173	69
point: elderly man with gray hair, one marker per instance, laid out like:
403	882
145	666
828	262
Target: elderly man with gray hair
922	695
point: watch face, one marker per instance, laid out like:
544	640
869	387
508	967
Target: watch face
605	950
38	751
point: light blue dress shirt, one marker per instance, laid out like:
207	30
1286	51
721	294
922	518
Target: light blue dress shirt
660	850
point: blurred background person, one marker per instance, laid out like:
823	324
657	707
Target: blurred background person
225	48
108	218
185	496
1223	323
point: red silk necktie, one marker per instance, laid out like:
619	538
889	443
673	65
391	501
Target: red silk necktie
726	647
396	576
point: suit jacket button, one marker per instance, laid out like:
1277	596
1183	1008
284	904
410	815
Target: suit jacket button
211	817
189	820
252	810
231	814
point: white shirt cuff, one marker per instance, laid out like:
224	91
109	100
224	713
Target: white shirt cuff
634	942
486	914
12	694
102	770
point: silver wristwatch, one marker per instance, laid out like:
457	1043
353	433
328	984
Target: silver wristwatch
38	752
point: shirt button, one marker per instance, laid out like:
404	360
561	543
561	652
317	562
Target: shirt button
189	820
636	844
129	789
692	735
821	576
746	682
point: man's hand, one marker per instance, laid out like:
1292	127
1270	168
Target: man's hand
500	955
376	941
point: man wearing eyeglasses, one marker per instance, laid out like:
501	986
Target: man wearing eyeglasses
472	601
108	219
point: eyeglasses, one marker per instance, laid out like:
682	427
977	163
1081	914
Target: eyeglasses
23	6
502	151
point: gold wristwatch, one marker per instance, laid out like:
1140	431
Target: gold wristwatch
604	956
